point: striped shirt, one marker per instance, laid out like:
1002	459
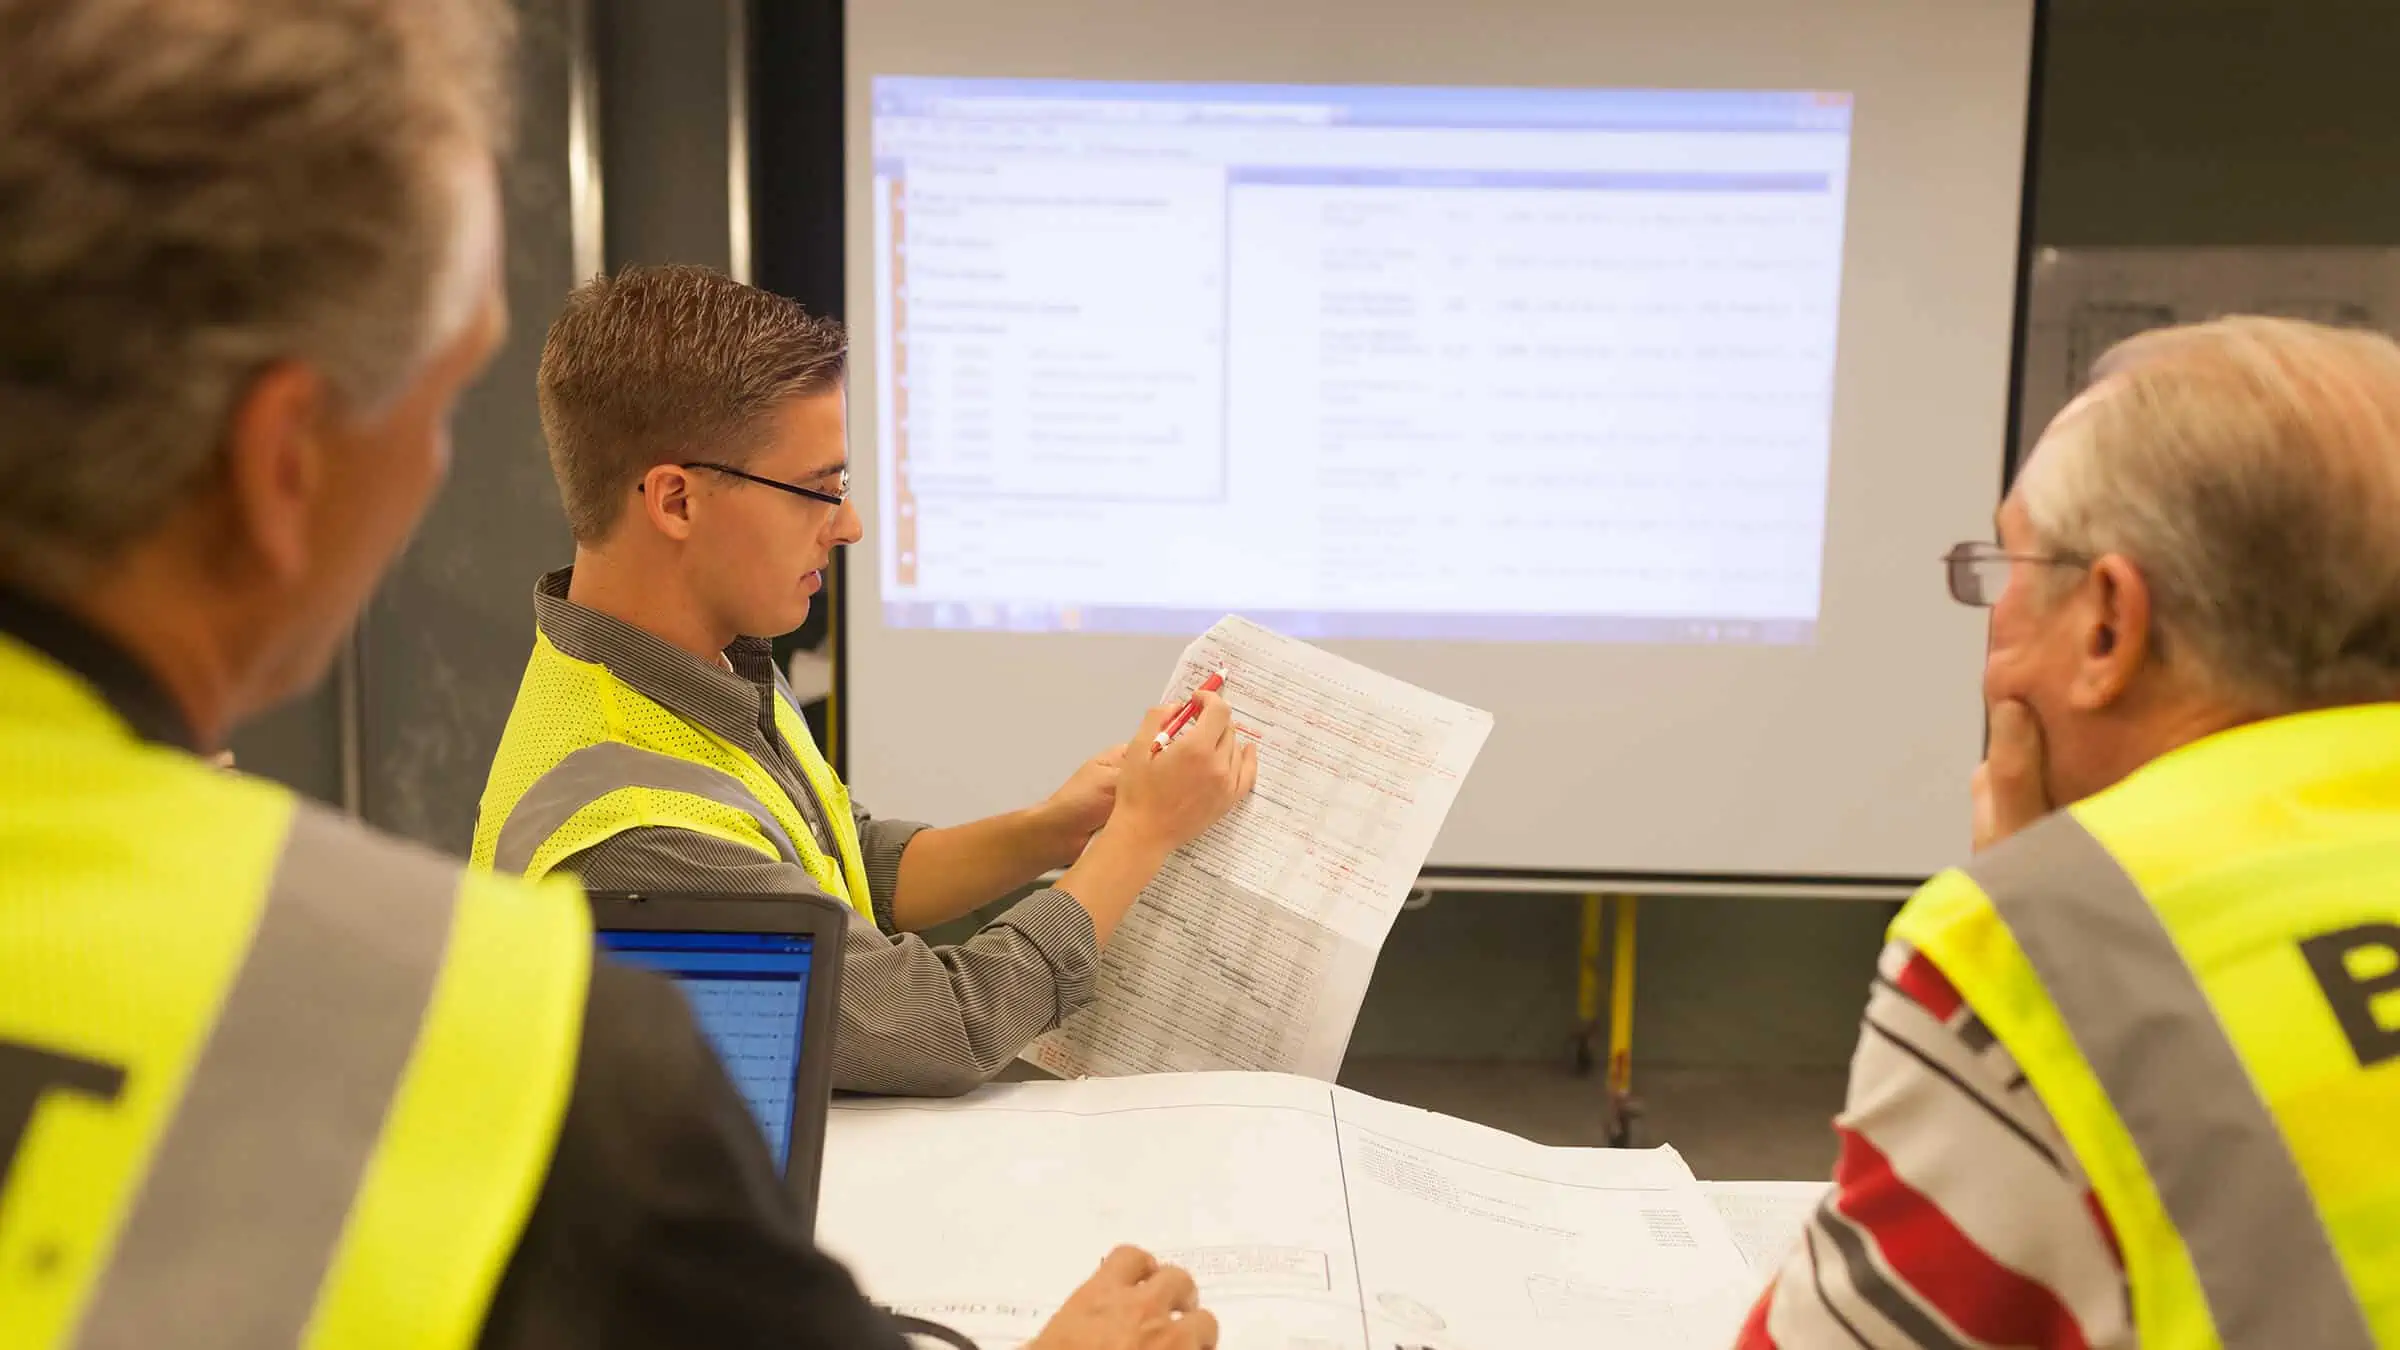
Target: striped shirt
916	1019
1959	1217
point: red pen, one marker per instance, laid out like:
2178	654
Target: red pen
1190	709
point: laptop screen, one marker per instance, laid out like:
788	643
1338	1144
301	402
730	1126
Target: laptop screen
749	992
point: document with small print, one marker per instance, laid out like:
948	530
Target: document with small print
1253	947
1312	1218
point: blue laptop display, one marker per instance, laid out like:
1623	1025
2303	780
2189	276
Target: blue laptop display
750	993
761	975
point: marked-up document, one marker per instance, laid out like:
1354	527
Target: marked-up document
1312	1217
1253	947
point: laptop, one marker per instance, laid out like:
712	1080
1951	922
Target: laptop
762	974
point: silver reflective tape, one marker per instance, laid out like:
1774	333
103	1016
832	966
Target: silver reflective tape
2211	1146
229	1240
593	772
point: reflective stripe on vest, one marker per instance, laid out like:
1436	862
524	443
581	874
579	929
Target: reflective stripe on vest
590	773
2212	1149
673	774
263	1157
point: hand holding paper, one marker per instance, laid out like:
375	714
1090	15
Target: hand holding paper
1176	792
1253	947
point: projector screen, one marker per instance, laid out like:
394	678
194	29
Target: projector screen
1620	368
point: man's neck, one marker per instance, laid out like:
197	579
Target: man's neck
2192	722
2174	718
179	639
645	594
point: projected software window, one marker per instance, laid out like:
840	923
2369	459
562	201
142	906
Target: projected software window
1377	362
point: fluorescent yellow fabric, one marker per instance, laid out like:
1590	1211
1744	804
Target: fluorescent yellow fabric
132	879
2246	845
564	705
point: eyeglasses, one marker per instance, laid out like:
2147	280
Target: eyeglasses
1979	572
835	498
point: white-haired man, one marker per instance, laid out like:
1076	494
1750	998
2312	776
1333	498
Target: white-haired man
267	1078
2132	1075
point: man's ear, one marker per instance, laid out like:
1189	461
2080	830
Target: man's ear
2114	609
275	468
666	493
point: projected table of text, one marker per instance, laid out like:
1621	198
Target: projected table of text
1444	363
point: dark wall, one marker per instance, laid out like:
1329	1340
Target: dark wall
662	140
445	641
446	638
795	151
2221	122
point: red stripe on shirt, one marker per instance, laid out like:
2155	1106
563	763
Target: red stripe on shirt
1940	1264
1924	983
1754	1331
2108	1231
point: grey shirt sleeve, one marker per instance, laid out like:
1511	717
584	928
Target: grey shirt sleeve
916	1019
880	844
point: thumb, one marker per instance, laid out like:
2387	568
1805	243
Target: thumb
2009	785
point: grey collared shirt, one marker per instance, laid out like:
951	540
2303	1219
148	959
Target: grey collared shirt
916	1019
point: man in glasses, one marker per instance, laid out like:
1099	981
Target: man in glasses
697	429
2132	1075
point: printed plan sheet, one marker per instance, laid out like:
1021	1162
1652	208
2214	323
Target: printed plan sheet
1253	948
1314	1218
1765	1217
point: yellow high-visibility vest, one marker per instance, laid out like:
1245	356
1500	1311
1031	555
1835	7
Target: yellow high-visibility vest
266	1078
2199	972
586	756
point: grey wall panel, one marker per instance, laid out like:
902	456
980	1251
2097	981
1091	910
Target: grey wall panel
663	117
296	745
2220	122
447	637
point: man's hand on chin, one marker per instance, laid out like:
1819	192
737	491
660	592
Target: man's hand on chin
2007	786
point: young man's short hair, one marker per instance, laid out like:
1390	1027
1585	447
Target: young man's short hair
664	365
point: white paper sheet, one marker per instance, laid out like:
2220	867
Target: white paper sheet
1004	1202
1765	1217
1254	946
1483	1239
1314	1218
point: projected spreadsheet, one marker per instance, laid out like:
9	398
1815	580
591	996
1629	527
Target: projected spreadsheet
1441	363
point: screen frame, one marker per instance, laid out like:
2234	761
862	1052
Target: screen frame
799	160
819	918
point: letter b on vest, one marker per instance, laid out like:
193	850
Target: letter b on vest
2356	967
